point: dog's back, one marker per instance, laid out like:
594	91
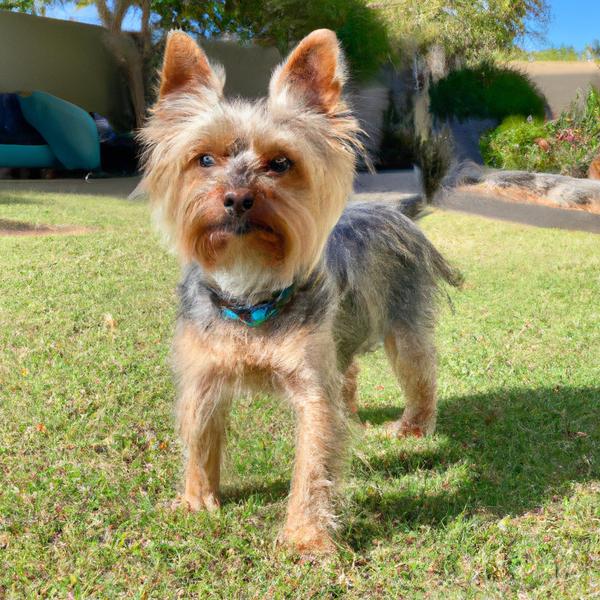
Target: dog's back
387	271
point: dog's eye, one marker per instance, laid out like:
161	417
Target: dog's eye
281	164
207	160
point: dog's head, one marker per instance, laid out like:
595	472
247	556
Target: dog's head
251	191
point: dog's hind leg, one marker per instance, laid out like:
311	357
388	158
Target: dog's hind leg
412	356
349	388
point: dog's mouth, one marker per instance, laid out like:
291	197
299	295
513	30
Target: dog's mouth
218	240
240	227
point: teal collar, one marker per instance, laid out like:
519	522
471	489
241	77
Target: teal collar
257	314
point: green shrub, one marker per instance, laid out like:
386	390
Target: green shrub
566	145
486	91
558	53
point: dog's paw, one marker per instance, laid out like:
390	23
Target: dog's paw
308	540
209	503
403	429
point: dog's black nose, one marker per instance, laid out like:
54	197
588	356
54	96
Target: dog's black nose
237	202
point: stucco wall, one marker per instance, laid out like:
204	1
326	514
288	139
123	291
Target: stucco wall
69	60
560	81
72	61
248	68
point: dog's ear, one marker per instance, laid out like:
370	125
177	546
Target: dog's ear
314	71
186	68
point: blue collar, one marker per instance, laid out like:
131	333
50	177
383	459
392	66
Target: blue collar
257	314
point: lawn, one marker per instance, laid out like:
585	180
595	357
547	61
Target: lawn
504	501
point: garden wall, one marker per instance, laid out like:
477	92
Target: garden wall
67	59
560	80
72	61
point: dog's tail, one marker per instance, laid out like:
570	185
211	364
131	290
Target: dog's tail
444	270
433	158
434	173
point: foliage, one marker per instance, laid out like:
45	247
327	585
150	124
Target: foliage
502	502
473	30
592	51
485	91
27	6
282	23
566	145
396	148
558	53
203	18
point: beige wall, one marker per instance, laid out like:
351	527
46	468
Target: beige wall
72	61
248	68
69	60
560	81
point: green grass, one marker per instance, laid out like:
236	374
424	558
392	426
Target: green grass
502	502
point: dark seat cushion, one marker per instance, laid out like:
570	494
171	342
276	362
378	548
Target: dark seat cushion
14	129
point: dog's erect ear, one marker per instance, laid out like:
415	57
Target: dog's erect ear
186	67
314	71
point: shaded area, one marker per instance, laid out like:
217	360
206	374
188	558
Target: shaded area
12	200
10	227
523	448
117	187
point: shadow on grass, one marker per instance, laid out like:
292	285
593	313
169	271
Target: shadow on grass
520	447
267	492
513	450
8	200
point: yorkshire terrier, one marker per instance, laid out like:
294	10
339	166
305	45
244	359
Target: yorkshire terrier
283	285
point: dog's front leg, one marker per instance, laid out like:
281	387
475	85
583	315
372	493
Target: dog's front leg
320	444
202	407
201	415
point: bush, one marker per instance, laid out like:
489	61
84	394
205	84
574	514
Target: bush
566	145
486	91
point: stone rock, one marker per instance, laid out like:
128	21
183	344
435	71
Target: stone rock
535	188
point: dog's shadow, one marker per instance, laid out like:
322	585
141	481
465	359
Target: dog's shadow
7	199
521	447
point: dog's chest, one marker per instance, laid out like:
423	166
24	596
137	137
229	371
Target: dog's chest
255	359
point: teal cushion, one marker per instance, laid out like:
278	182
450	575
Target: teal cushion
70	132
16	155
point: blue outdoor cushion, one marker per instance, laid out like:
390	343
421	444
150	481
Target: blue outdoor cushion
20	156
69	131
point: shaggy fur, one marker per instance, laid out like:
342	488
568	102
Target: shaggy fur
253	199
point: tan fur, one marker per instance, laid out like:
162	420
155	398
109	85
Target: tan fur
413	361
314	130
185	66
298	367
313	72
350	388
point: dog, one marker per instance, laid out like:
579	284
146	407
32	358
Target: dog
283	284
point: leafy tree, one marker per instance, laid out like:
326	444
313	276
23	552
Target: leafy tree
282	23
26	6
469	28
